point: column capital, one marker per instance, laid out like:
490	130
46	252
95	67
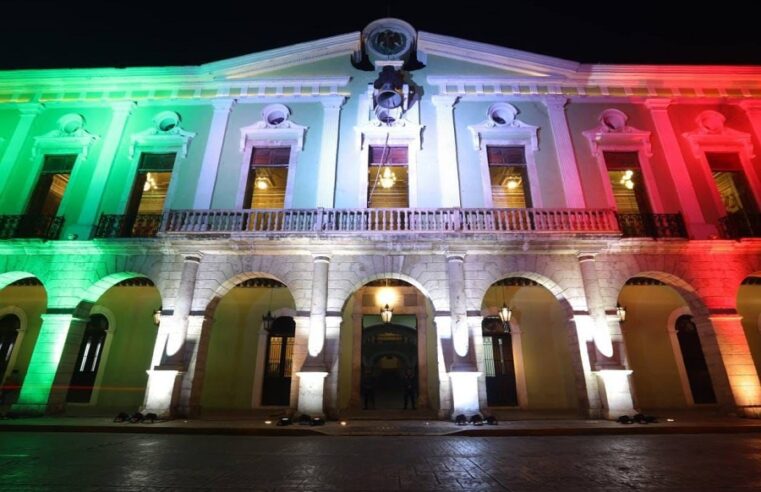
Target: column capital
123	106
724	314
455	257
441	101
30	109
223	105
332	102
556	102
192	257
321	258
658	104
585	256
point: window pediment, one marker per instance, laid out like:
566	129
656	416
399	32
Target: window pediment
275	127
502	124
70	137
166	135
613	132
712	134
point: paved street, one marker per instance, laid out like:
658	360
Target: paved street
88	461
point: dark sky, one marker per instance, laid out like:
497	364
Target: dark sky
45	34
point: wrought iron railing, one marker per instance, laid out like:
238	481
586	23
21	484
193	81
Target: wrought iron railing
390	220
740	224
142	225
30	226
652	225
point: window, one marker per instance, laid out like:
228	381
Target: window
148	195
735	193
267	178
278	369
388	177
88	360
626	182
509	177
44	204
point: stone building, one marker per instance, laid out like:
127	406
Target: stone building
286	230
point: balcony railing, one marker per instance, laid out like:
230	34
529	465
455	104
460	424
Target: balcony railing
30	226
740	224
390	220
652	225
144	225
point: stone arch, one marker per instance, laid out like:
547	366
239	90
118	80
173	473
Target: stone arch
92	293
686	290
560	275
381	276
216	278
8	278
227	285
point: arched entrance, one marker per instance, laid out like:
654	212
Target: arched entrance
528	350
749	308
664	347
249	360
22	302
388	357
110	347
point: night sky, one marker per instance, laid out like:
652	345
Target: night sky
44	34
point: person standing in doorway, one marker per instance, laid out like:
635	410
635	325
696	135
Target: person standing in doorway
410	389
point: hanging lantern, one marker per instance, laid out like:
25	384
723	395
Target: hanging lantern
267	321
157	317
621	313
505	313
385	313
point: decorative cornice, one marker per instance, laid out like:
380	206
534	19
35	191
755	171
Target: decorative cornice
711	131
614	132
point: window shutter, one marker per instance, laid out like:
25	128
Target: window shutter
157	163
724	161
506	155
380	155
621	161
270	156
59	164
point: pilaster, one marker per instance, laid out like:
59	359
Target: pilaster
211	156
326	176
569	170
29	112
446	145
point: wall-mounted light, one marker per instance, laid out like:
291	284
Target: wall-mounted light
268	319
621	313
157	317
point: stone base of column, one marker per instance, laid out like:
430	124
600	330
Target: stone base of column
162	391
464	393
752	412
311	393
615	393
30	409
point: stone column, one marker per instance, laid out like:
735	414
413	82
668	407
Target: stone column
55	353
173	354
734	354
446	147
332	359
326	176
29	112
88	216
685	191
606	357
313	372
196	352
569	170
463	372
210	163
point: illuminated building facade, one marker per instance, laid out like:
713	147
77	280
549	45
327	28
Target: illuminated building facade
296	229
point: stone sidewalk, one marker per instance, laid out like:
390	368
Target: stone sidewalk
682	424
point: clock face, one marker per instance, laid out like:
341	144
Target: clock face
389	42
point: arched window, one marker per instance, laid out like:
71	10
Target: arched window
9	326
88	360
694	361
278	369
499	366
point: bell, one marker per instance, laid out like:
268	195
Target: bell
388	88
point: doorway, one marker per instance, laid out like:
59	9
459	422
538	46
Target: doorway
389	352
